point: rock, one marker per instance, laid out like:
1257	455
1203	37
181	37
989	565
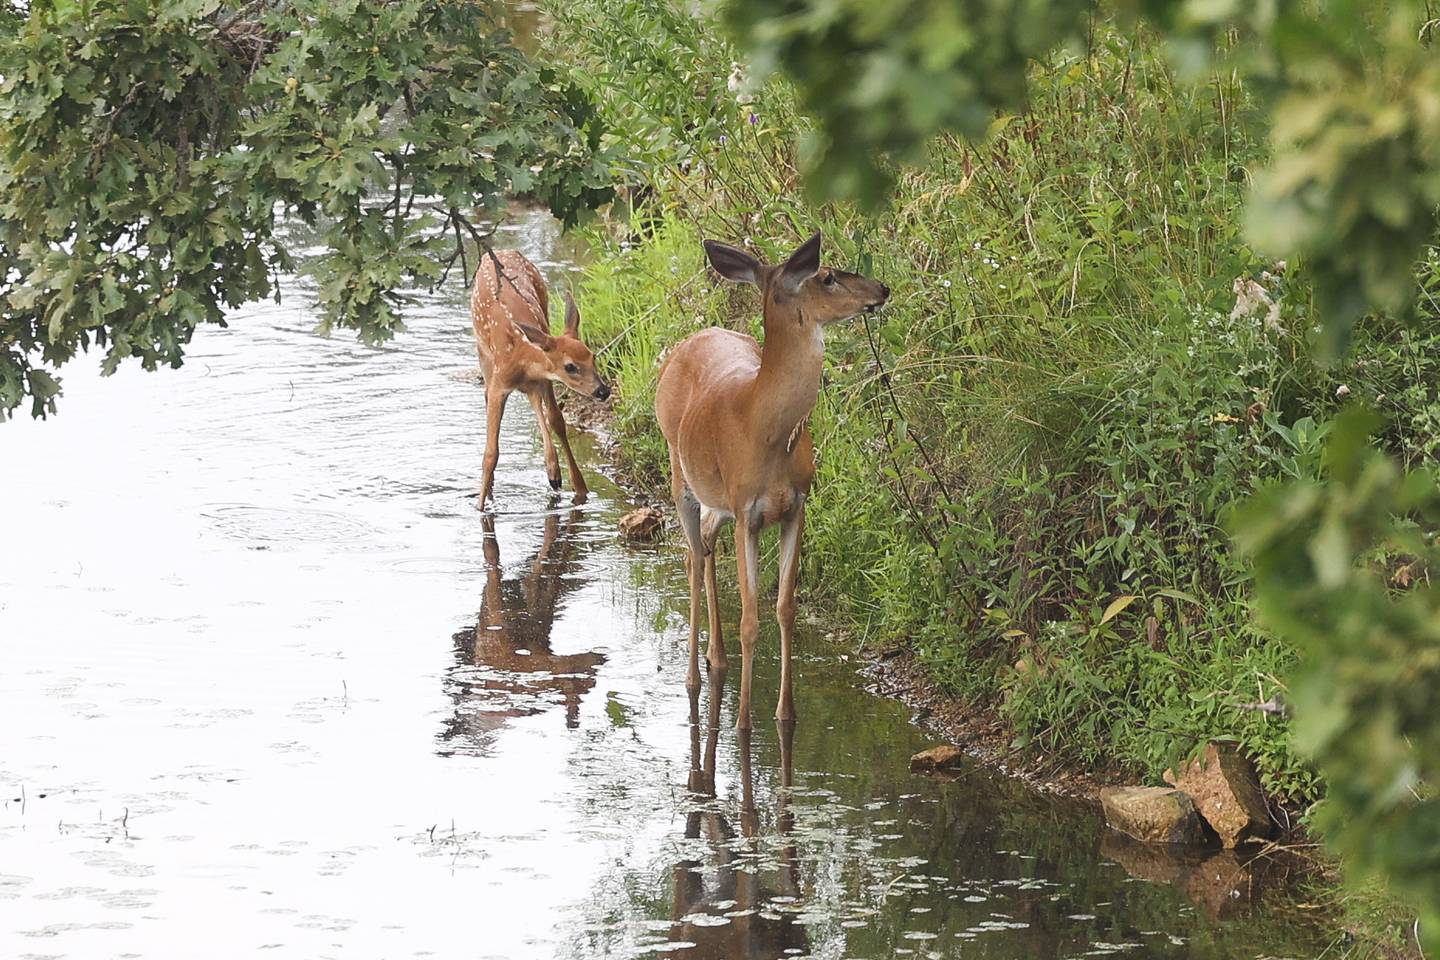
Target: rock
937	758
643	524
1226	792
1152	814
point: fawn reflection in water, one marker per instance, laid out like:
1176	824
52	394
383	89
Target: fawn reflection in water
720	903
505	665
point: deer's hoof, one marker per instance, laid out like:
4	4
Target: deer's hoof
555	483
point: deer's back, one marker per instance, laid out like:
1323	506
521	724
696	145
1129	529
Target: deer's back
503	294
705	375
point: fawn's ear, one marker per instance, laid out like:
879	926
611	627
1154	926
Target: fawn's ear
732	263
572	317
802	263
536	336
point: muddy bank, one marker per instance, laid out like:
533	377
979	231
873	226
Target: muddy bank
894	672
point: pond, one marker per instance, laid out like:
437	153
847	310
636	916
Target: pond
273	686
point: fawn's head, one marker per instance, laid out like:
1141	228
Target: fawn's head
567	360
819	294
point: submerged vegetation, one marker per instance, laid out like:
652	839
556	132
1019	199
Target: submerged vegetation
1030	461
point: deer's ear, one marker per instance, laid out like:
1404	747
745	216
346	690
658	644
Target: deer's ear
536	336
732	263
802	263
572	317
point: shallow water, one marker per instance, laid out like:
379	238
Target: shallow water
270	684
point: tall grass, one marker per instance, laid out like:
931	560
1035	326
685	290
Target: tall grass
1026	460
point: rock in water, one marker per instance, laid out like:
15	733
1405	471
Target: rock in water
643	524
1152	814
937	758
1226	792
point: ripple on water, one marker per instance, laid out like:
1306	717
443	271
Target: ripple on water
248	522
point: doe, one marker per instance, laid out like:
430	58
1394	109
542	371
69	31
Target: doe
510	309
734	415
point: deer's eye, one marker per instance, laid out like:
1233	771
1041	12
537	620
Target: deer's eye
571	369
829	280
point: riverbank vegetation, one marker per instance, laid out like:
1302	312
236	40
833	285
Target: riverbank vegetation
1031	461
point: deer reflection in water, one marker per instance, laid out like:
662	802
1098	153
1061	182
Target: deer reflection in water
505	666
752	927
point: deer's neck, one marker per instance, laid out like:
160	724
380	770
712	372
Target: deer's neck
791	362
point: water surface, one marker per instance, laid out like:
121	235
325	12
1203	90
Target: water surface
270	685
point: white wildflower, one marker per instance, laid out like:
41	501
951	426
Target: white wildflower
1341	392
1272	318
739	85
737	77
1250	298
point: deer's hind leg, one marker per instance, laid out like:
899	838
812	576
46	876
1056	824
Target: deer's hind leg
687	508
495	398
710	522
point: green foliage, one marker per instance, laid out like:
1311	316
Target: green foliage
881	79
147	150
1343	570
656	125
1354	179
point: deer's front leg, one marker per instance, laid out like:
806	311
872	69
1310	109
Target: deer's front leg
791	529
557	423
747	556
494	410
542	423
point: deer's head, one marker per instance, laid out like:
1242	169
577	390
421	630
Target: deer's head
820	294
567	359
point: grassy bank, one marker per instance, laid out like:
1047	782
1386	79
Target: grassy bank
1027	461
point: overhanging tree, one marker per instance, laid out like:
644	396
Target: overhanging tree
148	149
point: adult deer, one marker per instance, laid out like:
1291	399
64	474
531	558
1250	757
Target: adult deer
510	310
734	416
